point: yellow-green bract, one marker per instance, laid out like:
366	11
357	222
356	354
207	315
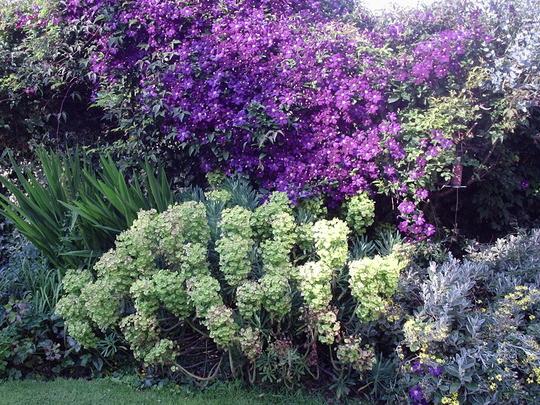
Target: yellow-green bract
373	281
166	270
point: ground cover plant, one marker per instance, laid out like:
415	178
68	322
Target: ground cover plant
283	195
33	342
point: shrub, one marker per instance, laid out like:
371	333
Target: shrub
235	245
328	111
474	338
165	281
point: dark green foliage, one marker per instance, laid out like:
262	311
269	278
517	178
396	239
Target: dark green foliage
71	211
38	211
45	89
34	344
32	339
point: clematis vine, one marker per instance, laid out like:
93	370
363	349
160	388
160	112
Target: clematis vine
295	94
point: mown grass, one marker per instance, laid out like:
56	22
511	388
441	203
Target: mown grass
107	392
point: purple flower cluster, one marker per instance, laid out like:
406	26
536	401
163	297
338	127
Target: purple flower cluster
416	394
434	370
286	92
436	57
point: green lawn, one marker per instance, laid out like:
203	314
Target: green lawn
106	392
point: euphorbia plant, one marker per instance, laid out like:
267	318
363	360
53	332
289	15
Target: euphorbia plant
162	284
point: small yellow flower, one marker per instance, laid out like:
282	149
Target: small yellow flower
450	399
536	376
